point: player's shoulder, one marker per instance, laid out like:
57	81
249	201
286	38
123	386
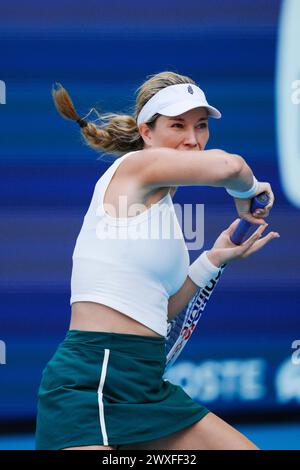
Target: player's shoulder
133	164
133	167
140	158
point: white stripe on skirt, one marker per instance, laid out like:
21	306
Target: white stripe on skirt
100	397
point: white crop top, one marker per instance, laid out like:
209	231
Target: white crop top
132	264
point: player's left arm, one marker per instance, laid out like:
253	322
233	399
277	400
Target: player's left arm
181	298
223	252
189	289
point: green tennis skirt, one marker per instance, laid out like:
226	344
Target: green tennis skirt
103	388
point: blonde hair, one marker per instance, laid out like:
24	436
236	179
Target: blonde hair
119	133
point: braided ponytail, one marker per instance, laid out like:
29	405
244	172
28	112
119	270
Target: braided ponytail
119	133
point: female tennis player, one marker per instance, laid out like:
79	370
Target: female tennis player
104	388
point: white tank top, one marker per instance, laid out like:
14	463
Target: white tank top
132	264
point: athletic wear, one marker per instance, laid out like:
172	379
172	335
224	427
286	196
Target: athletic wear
245	194
130	264
201	271
174	100
104	388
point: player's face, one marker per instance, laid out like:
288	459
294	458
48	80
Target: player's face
187	131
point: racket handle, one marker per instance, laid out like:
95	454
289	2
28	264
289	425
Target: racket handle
243	227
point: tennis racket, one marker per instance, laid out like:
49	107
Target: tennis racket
183	325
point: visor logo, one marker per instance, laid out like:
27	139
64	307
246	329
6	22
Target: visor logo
190	90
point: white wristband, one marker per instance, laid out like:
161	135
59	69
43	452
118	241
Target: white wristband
245	194
201	271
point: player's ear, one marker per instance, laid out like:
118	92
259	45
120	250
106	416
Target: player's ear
145	133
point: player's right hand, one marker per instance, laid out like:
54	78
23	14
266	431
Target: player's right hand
243	205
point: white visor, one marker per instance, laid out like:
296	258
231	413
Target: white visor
174	100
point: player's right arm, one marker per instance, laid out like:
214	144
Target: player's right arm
162	166
166	167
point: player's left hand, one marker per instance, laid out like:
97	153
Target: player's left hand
224	251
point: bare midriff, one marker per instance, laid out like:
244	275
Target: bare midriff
91	316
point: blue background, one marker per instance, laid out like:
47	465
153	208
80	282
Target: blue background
238	362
